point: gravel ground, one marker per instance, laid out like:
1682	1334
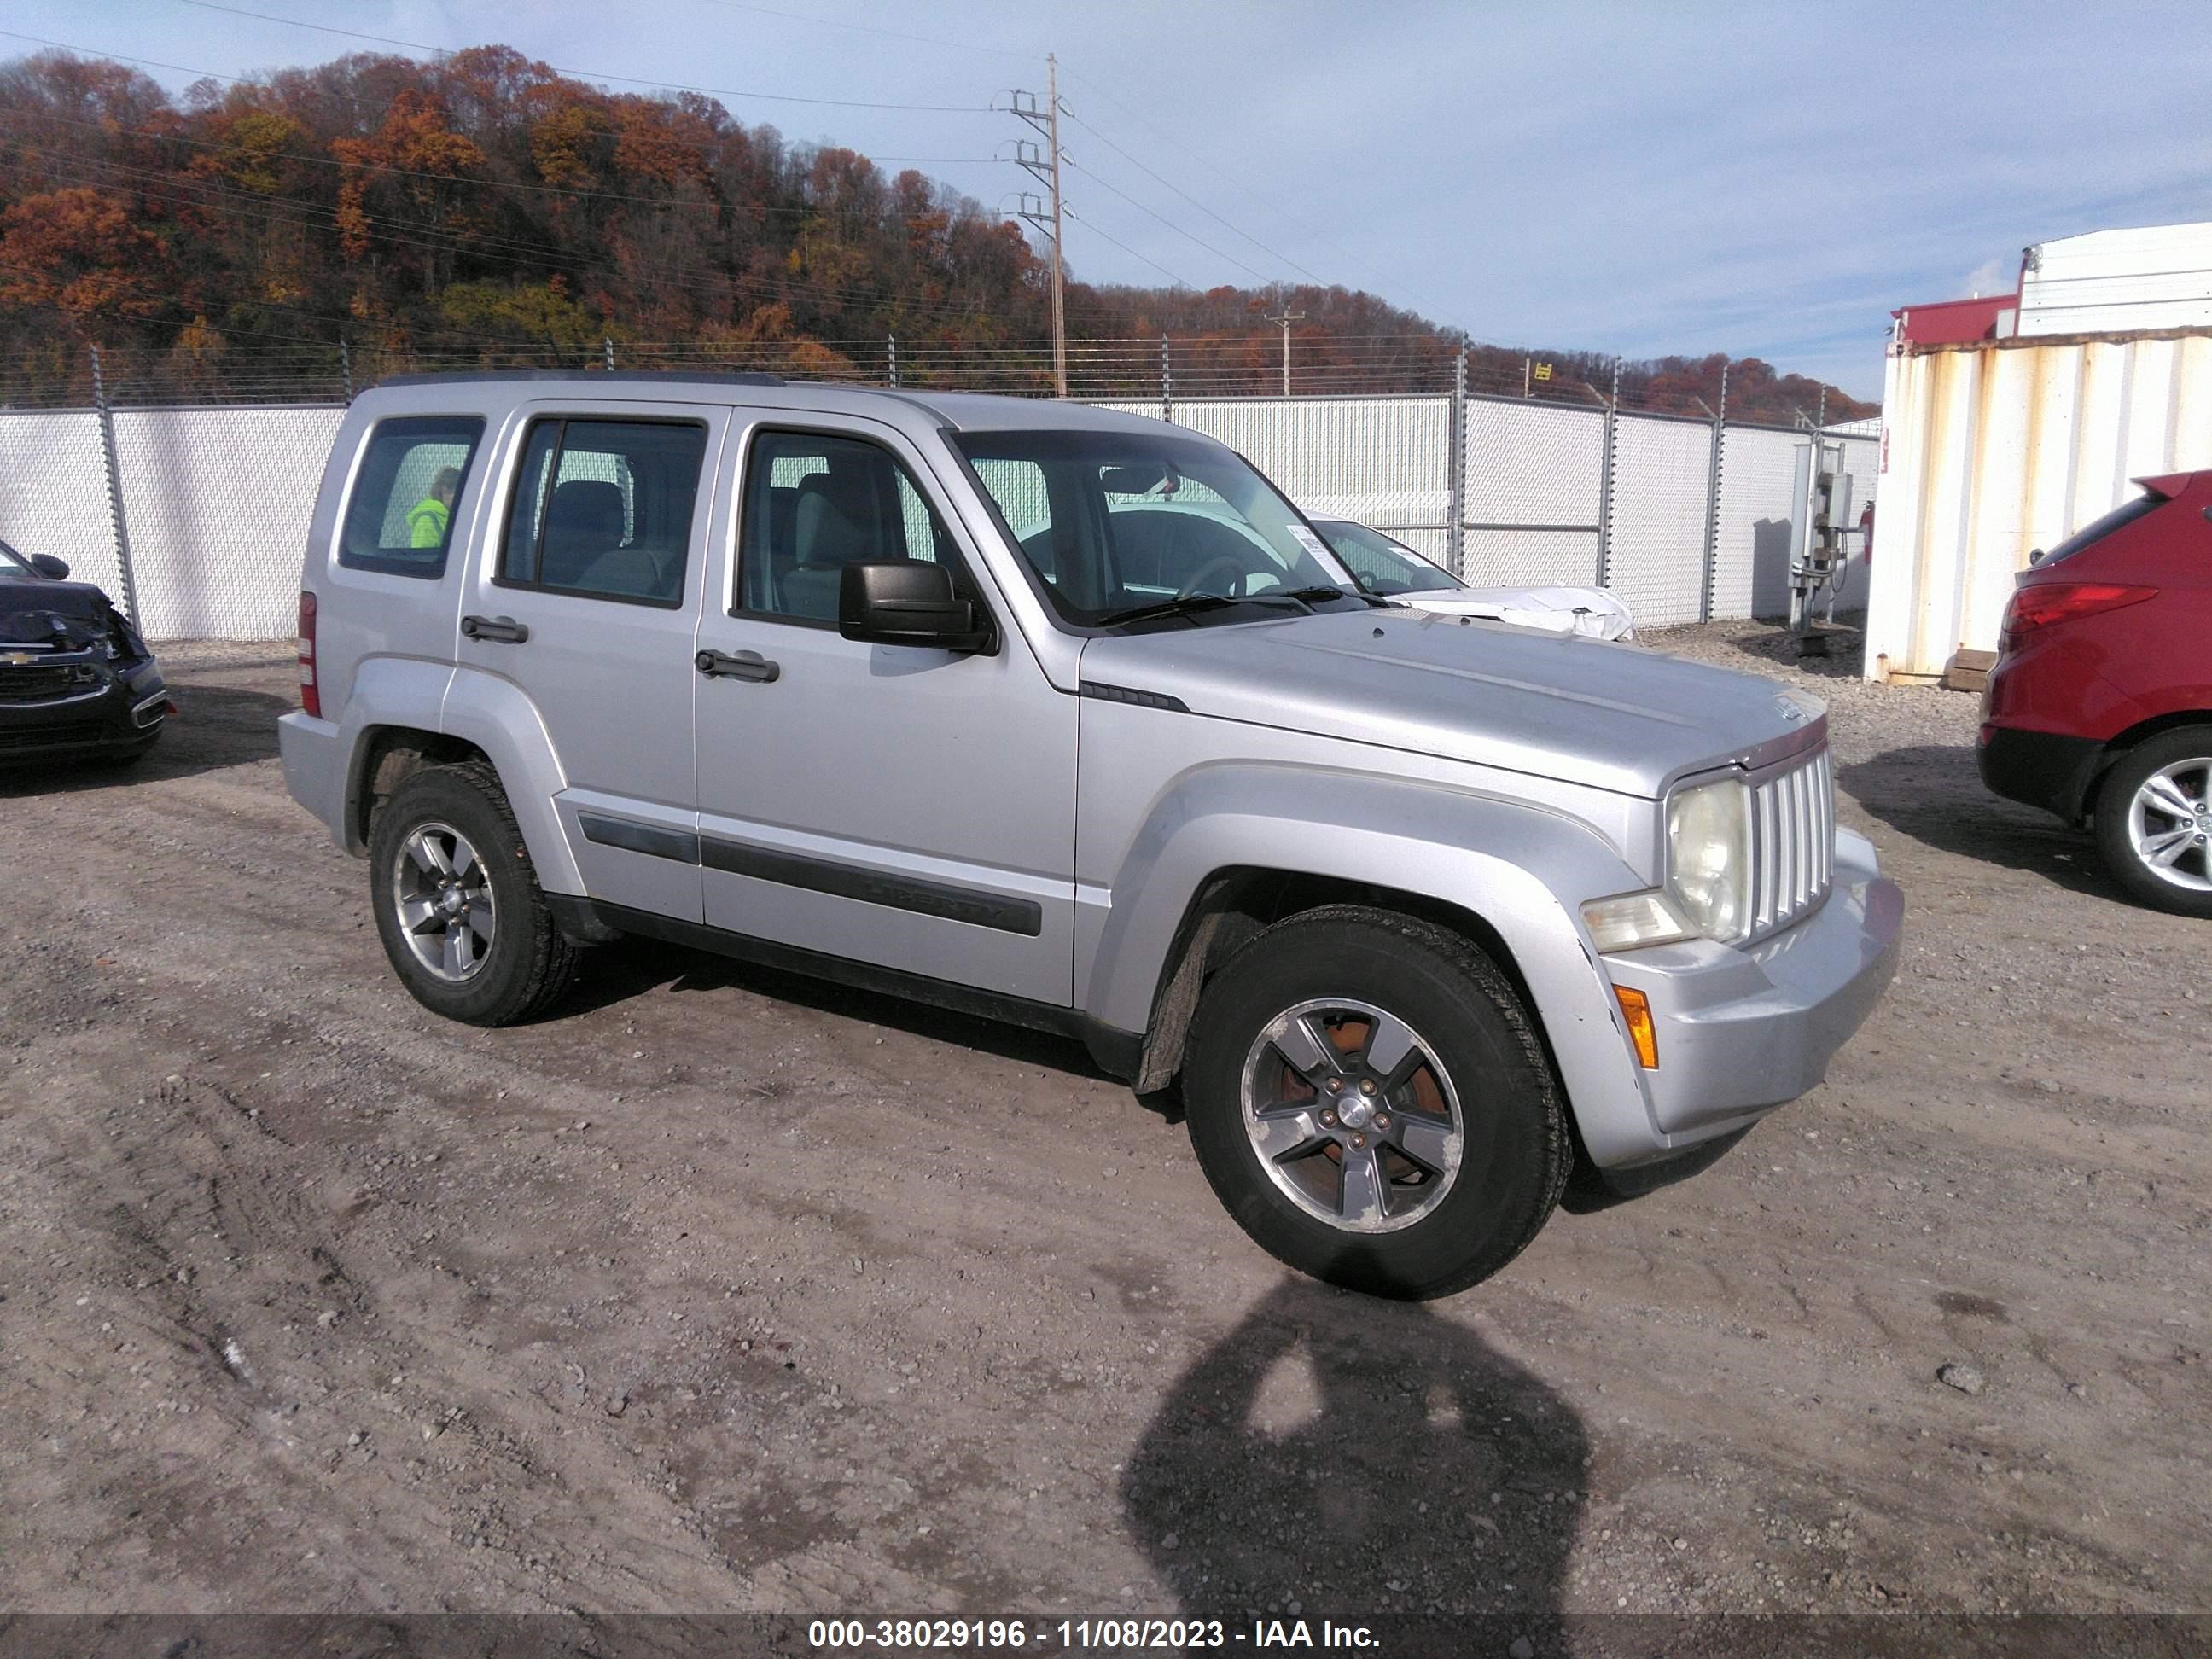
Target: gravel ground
722	1291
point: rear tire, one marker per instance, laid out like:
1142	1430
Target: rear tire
1369	1099
463	922
2155	821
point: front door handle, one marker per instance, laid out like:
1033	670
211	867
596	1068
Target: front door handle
505	629
739	665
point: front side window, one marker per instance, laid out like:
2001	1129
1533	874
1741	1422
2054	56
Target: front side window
399	519
1112	524
816	502
1382	565
604	508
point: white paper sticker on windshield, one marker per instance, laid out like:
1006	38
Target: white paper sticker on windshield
1308	540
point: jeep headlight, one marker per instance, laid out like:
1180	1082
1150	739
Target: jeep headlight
1709	858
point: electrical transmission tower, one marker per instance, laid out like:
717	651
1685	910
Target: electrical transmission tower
1286	320
1045	169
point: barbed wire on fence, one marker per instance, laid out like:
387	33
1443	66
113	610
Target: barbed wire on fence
234	367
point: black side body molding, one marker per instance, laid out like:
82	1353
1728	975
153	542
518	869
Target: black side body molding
927	898
635	837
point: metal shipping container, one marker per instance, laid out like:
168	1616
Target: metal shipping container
2158	277
1993	448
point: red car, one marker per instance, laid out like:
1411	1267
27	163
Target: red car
2100	708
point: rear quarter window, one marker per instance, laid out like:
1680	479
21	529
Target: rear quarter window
399	516
2094	531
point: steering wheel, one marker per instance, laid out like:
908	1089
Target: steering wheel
1235	567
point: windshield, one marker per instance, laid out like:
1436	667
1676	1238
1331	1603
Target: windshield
1114	523
1380	565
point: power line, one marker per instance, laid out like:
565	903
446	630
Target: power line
1131	252
121	58
1168	222
1226	177
1282	258
865	28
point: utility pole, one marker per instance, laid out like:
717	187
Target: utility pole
1045	170
1286	320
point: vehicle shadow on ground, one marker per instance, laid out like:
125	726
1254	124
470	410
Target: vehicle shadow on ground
1934	793
632	967
216	726
1773	648
1334	1456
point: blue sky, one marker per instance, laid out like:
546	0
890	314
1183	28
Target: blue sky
1768	180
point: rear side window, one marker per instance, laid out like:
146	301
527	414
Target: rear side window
399	519
604	508
2090	534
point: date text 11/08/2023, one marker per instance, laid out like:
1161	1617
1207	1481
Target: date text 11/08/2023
1073	1635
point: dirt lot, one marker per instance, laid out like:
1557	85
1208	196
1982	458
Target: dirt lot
718	1291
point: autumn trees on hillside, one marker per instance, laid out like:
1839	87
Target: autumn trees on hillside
483	209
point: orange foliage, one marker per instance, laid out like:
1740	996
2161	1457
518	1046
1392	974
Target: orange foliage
77	251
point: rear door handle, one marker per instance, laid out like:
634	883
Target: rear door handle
505	629
739	665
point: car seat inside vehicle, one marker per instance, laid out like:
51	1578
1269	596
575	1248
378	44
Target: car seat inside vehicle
583	522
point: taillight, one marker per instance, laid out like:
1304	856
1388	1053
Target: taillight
311	696
2045	602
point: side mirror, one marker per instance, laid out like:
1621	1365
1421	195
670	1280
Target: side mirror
51	567
906	602
2035	555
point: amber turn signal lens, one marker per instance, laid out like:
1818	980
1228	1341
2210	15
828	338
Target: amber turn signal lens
1636	1007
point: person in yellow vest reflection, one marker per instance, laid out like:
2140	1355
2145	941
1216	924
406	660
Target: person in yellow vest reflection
428	519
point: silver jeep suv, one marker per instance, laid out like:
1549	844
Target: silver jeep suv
1070	718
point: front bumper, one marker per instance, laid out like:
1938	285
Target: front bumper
114	712
1741	1032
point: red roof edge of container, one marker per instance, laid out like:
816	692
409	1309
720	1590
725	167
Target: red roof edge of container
1954	322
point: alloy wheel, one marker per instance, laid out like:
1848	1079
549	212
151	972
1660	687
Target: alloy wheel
442	894
2170	824
1352	1115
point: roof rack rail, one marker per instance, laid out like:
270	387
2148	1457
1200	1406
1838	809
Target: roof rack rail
662	376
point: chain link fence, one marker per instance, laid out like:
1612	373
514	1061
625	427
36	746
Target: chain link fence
1685	518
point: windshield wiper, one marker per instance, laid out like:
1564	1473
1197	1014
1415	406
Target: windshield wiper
1312	595
1189	605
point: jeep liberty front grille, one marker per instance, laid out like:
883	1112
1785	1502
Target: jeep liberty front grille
1793	843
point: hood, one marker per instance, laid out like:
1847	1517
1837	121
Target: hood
40	612
1613	716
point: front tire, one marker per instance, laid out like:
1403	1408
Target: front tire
1369	1099
463	922
2155	821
